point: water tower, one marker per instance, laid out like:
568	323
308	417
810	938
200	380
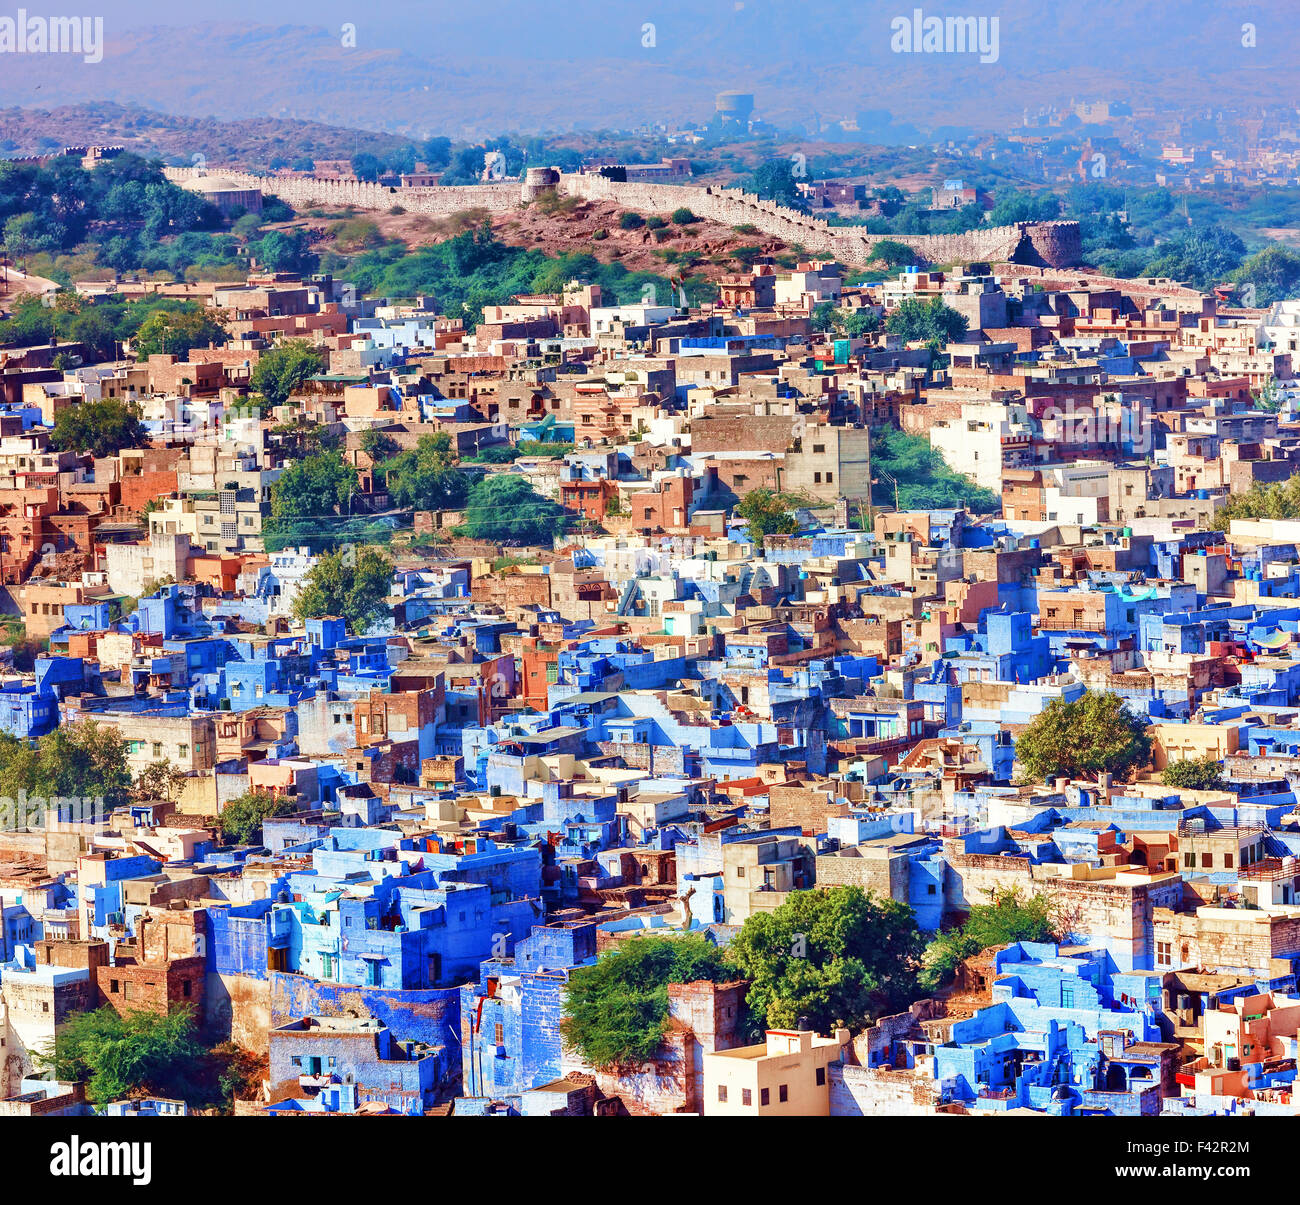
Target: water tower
737	107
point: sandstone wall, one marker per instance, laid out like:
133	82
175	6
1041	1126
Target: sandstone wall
1050	244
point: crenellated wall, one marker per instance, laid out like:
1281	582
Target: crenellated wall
1047	244
304	193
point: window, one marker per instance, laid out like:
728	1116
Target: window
1164	953
1207	860
746	1097
499	1035
764	1096
722	1094
1227	861
821	1076
183	750
783	1092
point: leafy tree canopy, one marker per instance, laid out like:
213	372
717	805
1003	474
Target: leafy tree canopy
833	956
102	428
82	760
242	817
1193	774
1280	500
174	333
765	514
1006	918
426	477
775	181
924	480
892	253
929	322
1092	735
503	507
617	1009
315	487
282	370
139	1053
347	583
1202	258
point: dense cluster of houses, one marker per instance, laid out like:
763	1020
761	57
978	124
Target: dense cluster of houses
662	723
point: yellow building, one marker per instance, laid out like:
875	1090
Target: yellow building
1186	742
786	1076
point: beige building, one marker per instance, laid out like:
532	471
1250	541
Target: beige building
784	1076
188	741
223	521
759	872
829	463
132	567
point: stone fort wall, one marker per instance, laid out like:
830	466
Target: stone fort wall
1049	244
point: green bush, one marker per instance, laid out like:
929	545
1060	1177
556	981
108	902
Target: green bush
617	1010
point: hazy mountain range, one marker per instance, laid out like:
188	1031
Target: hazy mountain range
468	69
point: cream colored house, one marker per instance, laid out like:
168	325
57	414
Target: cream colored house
785	1076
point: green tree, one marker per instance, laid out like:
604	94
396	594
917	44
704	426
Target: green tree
1202	258
123	1056
833	956
1006	918
1025	207
765	514
426	477
175	333
892	253
314	488
22	237
347	583
616	1011
242	817
924	479
1092	735
504	508
1274	272
366	166
101	428
929	322
683	216
1268	396
161	780
1278	501
774	181
1193	774
853	324
81	760
378	445
282	370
